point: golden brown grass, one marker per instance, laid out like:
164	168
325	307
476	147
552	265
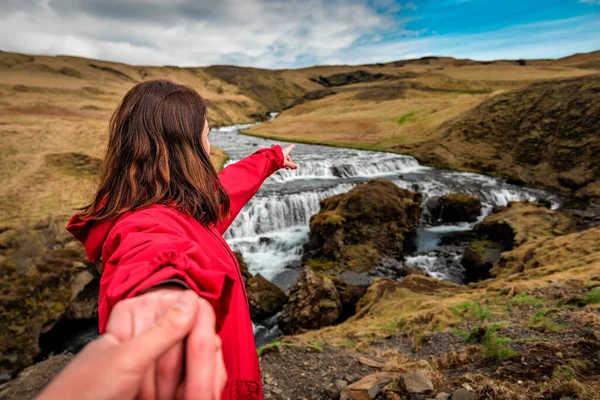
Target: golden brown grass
344	119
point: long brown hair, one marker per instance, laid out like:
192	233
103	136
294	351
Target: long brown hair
155	156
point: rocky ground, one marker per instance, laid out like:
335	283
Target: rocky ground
529	331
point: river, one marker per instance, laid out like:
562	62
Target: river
273	227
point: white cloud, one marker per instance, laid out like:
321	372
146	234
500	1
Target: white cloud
592	2
267	33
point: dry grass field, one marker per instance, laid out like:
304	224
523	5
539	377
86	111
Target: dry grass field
54	113
54	110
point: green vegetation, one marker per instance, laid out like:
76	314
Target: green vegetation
495	346
541	320
474	310
394	325
276	343
405	117
316	345
592	297
564	373
523	298
348	343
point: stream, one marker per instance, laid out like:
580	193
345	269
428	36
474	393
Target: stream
273	227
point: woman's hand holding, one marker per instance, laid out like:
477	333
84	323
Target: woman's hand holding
288	163
122	363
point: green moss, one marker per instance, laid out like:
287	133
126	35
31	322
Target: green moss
276	343
522	298
592	297
564	373
327	218
319	265
495	346
317	346
471	310
327	303
403	118
361	257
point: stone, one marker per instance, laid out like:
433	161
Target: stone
417	381
334	389
313	302
34	378
463	394
43	283
370	363
340	384
276	390
442	396
356	230
458	207
479	258
366	388
265	298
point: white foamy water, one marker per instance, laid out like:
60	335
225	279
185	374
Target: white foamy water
273	227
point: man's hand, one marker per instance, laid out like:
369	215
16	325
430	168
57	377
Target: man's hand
116	365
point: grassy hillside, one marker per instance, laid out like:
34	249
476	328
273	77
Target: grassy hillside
54	111
547	134
411	107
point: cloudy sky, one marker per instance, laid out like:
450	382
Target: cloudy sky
295	33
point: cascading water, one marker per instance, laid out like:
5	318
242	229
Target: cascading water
273	227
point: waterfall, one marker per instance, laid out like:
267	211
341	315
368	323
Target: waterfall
273	227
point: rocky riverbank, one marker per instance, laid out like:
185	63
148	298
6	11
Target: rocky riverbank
529	331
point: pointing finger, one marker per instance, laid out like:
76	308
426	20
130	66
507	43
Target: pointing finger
288	150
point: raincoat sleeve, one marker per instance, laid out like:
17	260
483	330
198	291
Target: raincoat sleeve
143	254
242	179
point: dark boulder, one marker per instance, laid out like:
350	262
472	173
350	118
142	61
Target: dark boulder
479	258
459	207
265	298
357	230
314	302
44	279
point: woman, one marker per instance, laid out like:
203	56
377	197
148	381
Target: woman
157	221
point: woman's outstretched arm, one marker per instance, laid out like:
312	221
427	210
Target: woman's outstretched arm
243	178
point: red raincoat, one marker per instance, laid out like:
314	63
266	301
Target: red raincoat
158	243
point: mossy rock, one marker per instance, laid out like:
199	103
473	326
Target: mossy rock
459	207
357	229
265	298
510	240
41	275
314	302
479	258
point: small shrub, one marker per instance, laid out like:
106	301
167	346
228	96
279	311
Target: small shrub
495	346
317	346
276	343
541	320
523	298
593	297
564	373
